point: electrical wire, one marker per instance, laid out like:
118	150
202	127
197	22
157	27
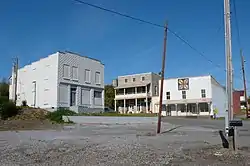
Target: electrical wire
156	25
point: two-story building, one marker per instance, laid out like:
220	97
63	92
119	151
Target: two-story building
63	79
193	96
133	93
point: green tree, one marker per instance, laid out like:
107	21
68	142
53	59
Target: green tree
109	96
4	88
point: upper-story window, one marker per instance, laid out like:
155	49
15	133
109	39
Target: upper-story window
97	78
75	73
66	71
156	90
143	78
126	80
168	95
87	75
134	79
184	95
203	93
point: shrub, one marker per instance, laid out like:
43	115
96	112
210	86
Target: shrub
8	109
57	115
24	103
3	99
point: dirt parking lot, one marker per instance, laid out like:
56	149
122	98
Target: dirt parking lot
94	145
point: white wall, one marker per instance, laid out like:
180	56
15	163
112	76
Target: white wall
219	99
194	92
81	63
45	73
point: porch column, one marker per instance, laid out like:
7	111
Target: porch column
135	90
124	102
124	106
186	109
136	105
176	109
197	108
146	99
115	105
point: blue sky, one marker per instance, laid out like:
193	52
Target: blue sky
32	29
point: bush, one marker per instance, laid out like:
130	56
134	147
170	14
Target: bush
24	103
3	99
8	109
57	115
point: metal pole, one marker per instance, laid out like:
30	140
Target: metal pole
229	74
162	78
244	81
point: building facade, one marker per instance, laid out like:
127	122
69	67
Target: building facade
134	93
193	96
61	80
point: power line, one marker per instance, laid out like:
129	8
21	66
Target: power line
237	23
118	13
156	25
150	23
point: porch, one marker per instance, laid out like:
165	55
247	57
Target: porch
137	105
187	109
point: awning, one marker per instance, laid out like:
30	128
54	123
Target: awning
186	101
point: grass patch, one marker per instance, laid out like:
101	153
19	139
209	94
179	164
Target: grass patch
56	116
117	114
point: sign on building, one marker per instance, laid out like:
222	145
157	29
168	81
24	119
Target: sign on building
183	84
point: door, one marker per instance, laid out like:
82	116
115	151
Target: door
33	94
73	96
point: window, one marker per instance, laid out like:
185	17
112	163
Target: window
184	96
66	71
87	76
75	73
168	95
97	78
156	90
85	96
143	78
203	93
133	79
97	94
126	80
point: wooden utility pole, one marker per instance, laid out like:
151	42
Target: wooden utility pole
162	78
244	81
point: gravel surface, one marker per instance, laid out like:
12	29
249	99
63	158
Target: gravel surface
113	145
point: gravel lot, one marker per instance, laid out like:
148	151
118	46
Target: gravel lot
117	145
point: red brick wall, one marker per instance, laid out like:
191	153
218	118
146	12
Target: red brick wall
236	101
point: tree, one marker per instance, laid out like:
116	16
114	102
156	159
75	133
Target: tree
4	88
109	96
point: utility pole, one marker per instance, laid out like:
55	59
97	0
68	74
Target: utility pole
162	78
229	72
244	81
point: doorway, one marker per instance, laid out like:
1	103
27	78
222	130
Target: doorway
72	96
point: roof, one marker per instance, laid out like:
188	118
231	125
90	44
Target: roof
136	74
65	52
131	86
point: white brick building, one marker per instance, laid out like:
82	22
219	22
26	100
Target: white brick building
63	79
192	96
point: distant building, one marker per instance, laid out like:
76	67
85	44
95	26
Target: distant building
63	79
193	96
134	93
239	101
